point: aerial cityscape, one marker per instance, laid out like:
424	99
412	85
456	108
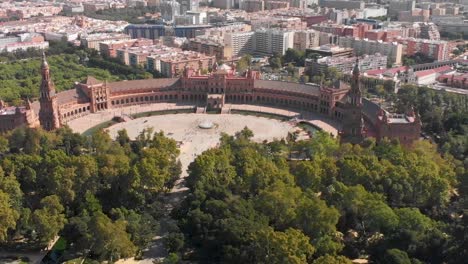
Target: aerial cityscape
234	131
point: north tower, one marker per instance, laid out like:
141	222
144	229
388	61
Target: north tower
49	117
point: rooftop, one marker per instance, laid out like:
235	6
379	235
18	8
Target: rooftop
288	87
116	87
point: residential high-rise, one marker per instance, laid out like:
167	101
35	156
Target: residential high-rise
436	49
429	31
49	117
240	42
306	39
271	41
393	50
342	4
169	9
346	64
401	5
188	5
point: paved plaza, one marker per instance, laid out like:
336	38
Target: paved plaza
87	121
184	128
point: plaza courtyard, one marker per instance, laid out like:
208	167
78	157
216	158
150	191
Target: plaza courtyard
193	139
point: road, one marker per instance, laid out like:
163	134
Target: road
448	89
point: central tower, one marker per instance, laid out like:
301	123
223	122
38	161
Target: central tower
49	117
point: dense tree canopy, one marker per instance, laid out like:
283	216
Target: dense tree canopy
99	194
344	202
444	116
21	73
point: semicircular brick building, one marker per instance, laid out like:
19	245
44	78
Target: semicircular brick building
360	117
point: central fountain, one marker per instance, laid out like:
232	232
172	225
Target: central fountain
206	124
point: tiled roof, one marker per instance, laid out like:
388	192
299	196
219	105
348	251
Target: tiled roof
66	97
288	87
431	71
142	84
387	71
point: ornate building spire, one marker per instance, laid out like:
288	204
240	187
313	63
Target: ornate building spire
355	94
353	122
49	117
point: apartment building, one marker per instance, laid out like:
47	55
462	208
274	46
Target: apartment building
436	49
92	41
212	46
306	39
395	7
346	64
240	43
271	5
393	50
415	15
169	9
342	4
253	5
109	48
429	31
137	55
273	41
172	66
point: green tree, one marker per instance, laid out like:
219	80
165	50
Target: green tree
333	74
294	56
174	242
395	256
244	63
109	239
8	216
275	61
291	246
278	202
49	219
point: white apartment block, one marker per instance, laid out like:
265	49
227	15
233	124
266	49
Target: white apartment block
393	50
346	64
270	41
241	43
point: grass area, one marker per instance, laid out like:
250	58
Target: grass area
61	244
260	114
164	112
99	127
